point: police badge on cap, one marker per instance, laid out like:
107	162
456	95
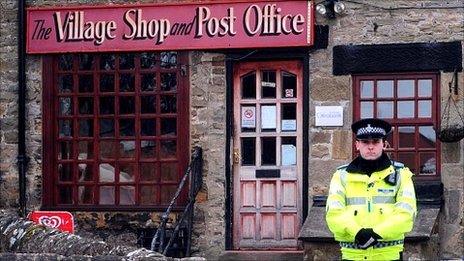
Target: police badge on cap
371	129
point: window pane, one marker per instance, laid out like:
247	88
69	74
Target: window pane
127	195
65	83
126	105
86	62
248	151
408	159
425	88
106	195
65	150
367	110
268	151
288	151
169	172
147	195
85	83
65	62
148	82
405	109
288	117
86	128
106	128
167	193
108	149
86	195
268	84
168	59
390	139
428	164
126	61
65	195
85	172
107	105
168	104
268	117
385	110
249	86
425	109
367	89
405	88
126	82
106	173
66	107
148	149
148	127
85	105
107	61
65	172
385	89
406	137
148	104
126	127
288	85
168	127
126	172
168	149
65	128
85	150
107	83
168	82
148	171
427	137
147	60
127	149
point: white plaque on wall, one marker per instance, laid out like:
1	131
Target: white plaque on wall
329	116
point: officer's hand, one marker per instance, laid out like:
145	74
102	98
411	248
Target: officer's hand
366	237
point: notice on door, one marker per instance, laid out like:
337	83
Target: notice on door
249	117
268	117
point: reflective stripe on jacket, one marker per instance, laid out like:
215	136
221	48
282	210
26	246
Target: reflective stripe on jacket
358	201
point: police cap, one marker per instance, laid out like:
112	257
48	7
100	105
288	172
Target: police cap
371	129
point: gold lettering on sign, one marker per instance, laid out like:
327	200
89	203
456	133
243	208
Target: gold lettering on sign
74	28
143	29
270	21
212	25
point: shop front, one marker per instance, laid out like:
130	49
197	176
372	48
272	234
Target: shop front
118	97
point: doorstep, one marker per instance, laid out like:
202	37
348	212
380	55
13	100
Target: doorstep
265	255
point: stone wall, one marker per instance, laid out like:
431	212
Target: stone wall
382	22
208	128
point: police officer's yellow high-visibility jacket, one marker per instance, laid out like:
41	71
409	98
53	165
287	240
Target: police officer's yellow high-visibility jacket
358	201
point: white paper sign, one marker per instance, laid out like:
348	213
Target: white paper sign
249	117
288	125
288	154
329	116
268	117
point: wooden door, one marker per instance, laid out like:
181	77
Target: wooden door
267	160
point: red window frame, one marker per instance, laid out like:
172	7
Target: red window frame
163	188
405	123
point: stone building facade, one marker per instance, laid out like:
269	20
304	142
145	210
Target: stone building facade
364	23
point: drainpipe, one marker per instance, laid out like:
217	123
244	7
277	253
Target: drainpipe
22	157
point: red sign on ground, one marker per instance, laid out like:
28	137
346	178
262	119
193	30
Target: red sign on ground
61	220
178	26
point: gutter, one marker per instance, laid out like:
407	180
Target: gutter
22	159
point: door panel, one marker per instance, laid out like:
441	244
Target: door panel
267	160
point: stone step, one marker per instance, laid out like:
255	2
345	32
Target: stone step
265	255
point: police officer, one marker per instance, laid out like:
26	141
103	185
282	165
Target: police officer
371	203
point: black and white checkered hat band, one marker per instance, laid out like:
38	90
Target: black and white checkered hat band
371	130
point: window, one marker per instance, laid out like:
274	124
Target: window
115	130
410	104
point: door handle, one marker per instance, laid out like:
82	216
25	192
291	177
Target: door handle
236	156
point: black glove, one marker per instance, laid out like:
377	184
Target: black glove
366	237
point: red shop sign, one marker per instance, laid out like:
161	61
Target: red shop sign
61	220
175	26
